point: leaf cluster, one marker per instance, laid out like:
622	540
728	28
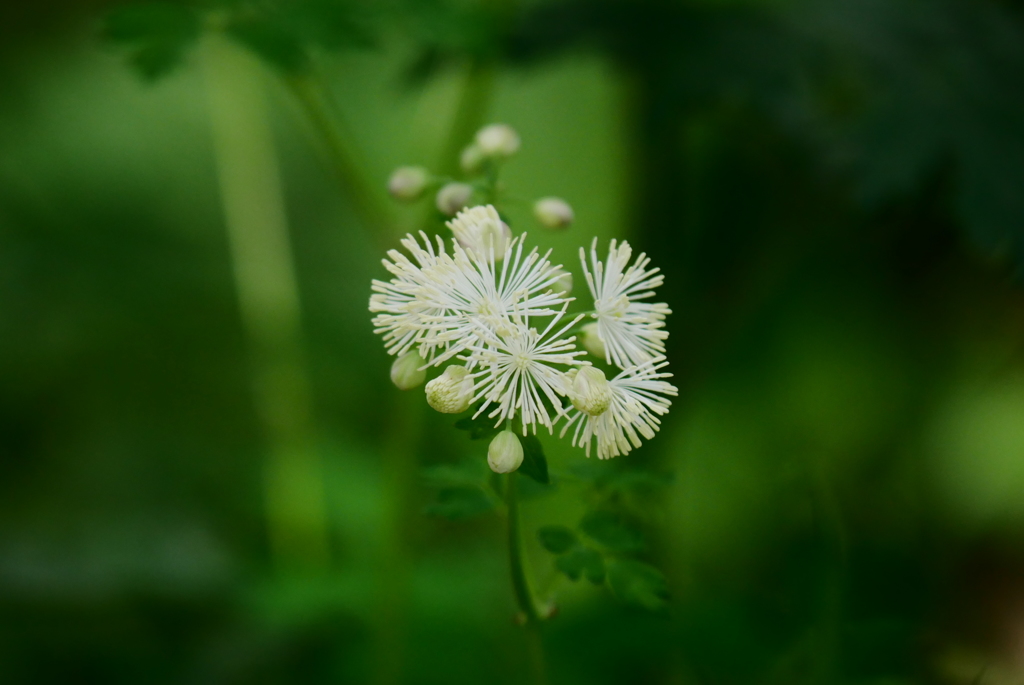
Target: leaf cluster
597	551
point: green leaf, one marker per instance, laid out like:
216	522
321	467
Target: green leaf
460	503
611	531
535	464
479	428
582	561
468	472
556	539
638	584
159	33
272	41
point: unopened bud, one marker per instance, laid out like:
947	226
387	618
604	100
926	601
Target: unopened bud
563	286
590	391
453	197
497	140
452	391
553	212
592	342
472	159
505	453
406	371
479	229
407	183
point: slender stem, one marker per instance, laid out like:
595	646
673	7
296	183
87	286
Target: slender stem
323	114
520	582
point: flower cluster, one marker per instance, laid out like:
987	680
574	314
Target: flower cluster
493	312
496	312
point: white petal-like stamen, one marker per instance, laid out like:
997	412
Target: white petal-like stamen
637	402
632	331
517	370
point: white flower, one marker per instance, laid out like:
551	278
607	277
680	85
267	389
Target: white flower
407	183
553	212
505	453
590	391
480	230
517	370
477	293
407	371
497	140
631	330
563	286
637	400
452	391
452	197
399	303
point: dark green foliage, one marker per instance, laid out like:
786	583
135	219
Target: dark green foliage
612	531
535	464
582	561
461	503
157	35
556	539
479	428
638	584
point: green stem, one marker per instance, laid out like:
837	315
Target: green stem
325	118
516	556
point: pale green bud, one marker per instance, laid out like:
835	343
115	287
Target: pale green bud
472	159
452	391
407	183
505	453
553	212
497	140
453	197
406	371
590	391
592	342
563	286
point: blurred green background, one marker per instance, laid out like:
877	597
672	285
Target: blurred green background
209	479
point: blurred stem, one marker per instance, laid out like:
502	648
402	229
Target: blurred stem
521	582
268	295
469	114
310	91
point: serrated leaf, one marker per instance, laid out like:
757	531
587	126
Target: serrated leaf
272	41
479	428
611	531
468	472
556	539
460	503
582	561
535	464
160	33
638	584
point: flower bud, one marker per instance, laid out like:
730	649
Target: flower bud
478	229
497	140
590	391
406	371
505	453
452	391
553	212
472	159
592	342
407	183
563	286
453	197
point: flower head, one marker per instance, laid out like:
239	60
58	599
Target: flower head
553	212
452	197
632	330
399	304
517	370
590	391
637	400
407	183
505	453
497	140
452	391
481	231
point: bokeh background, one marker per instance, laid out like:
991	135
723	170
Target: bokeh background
206	476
